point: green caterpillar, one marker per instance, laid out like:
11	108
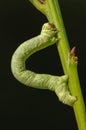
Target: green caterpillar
58	84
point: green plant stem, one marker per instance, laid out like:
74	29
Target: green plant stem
52	11
71	70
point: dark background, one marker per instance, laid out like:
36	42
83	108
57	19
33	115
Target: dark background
28	108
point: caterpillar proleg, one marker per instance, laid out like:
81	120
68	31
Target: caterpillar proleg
47	37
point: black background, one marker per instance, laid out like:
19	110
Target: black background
28	108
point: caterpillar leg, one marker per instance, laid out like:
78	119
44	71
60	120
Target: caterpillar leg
63	93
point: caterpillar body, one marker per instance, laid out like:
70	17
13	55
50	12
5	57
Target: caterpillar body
58	84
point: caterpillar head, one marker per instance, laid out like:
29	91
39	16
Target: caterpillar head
49	29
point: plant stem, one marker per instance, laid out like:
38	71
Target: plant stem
71	70
52	11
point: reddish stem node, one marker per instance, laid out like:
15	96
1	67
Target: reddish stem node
73	51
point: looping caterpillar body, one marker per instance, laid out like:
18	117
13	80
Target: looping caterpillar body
42	81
